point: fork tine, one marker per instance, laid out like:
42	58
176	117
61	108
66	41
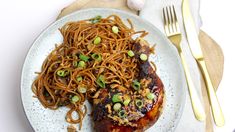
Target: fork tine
173	26
168	12
166	21
176	21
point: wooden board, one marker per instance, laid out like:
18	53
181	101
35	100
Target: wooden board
83	4
212	52
215	64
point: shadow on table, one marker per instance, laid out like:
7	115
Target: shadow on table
18	110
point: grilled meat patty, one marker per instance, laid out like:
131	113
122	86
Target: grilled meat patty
140	112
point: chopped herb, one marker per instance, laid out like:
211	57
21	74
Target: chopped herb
84	57
115	29
117	106
139	103
101	81
62	73
150	96
143	57
75	99
96	19
127	101
136	85
97	40
82	64
131	53
116	98
79	78
82	89
75	63
122	114
96	57
66	72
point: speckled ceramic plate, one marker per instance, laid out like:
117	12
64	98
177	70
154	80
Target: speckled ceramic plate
166	58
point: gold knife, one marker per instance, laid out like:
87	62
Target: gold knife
195	47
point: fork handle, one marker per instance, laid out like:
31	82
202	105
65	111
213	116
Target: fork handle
198	109
215	106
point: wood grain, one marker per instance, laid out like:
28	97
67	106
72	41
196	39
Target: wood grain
212	52
215	64
213	56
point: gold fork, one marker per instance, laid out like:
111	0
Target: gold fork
172	31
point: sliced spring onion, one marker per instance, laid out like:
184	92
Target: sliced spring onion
97	40
79	78
75	99
96	57
136	85
84	57
131	53
150	96
139	103
127	101
116	98
143	57
82	64
122	114
101	81
117	106
96	19
115	29
66	72
82	89
62	73
75	63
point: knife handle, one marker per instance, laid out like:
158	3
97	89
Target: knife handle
215	106
198	109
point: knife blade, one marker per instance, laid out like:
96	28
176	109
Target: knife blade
191	32
194	44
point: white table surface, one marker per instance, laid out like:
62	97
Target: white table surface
21	21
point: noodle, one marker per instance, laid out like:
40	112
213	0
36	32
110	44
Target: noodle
54	91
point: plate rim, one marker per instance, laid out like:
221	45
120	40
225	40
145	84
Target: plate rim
46	29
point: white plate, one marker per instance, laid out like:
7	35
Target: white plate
168	68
